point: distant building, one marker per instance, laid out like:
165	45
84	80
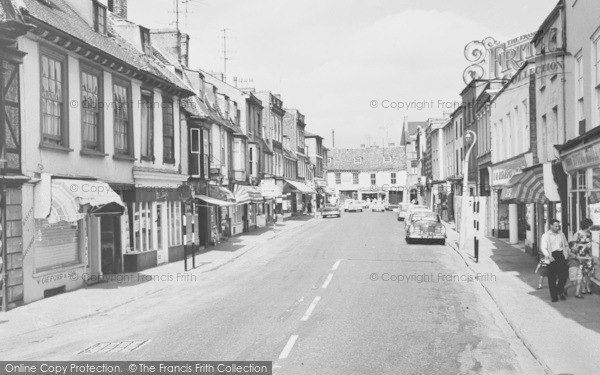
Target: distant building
369	173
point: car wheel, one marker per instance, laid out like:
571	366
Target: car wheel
398	219
339	215
409	241
442	242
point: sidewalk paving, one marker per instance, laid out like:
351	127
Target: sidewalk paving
125	288
563	336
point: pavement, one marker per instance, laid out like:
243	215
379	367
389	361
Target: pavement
329	296
120	290
565	336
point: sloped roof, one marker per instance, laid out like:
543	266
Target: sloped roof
9	12
342	159
413	126
60	16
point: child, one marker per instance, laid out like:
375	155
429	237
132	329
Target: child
575	273
542	267
586	266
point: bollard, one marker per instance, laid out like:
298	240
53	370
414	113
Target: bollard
476	248
193	257
185	254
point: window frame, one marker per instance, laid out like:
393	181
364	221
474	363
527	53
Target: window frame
97	7
99	73
149	156
123	153
49	52
168	102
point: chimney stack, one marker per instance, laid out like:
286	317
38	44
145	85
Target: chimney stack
118	7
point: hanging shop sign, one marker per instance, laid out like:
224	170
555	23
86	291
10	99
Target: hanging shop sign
585	157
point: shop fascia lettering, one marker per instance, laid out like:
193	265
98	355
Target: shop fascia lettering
582	158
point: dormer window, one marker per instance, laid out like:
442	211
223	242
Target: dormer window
145	39
99	18
358	160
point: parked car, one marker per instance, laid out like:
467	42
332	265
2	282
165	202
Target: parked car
412	209
331	210
403	211
355	205
425	226
392	206
346	204
378	207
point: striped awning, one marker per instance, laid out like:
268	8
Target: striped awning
246	194
525	187
221	193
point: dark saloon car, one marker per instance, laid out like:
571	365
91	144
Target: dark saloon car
425	226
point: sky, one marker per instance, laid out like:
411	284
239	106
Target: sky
355	67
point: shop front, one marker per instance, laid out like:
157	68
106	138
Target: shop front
582	166
500	175
301	194
154	227
66	243
250	199
529	195
222	217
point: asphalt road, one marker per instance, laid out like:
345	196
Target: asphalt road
339	296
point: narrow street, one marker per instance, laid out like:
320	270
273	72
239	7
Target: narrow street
323	299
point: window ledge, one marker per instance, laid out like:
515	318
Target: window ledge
169	161
91	153
124	157
53	147
148	158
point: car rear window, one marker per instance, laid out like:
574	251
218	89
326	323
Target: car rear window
425	216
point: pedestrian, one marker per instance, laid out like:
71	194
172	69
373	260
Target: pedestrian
575	274
556	250
542	269
583	237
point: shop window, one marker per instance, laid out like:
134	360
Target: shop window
56	245
141	217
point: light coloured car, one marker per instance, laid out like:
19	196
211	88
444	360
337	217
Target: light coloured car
331	210
412	209
378	207
346	204
425	225
355	205
403	211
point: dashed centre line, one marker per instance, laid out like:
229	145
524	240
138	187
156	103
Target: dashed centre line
327	280
336	265
288	347
310	308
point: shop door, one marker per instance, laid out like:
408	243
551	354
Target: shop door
110	245
522	222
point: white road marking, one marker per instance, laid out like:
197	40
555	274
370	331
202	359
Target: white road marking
310	308
288	347
336	265
327	280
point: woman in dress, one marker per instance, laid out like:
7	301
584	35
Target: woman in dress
583	237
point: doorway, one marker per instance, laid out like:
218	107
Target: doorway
110	244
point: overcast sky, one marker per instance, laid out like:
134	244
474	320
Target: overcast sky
333	60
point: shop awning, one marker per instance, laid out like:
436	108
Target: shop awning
68	196
526	187
246	194
300	187
214	201
221	193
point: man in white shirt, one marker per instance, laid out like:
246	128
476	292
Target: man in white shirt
555	248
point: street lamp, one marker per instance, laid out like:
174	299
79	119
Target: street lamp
470	138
